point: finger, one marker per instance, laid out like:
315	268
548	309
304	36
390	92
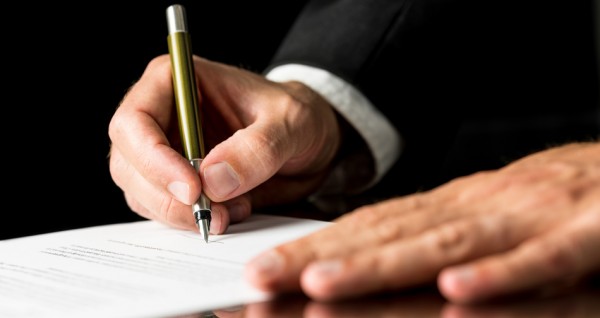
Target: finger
280	133
412	261
152	203
560	255
465	197
146	199
371	228
250	157
405	263
153	92
387	222
231	211
279	269
220	214
256	151
137	131
240	163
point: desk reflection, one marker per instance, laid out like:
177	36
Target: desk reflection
580	302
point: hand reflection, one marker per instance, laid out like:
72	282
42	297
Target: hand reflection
420	304
579	303
427	303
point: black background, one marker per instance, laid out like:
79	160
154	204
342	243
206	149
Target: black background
66	67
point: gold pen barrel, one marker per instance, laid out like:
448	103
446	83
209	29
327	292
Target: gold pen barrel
187	103
184	80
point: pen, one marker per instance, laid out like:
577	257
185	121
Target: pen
186	100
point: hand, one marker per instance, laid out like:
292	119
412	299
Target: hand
270	143
533	224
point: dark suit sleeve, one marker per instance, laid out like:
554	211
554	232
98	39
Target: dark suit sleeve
384	48
510	70
344	36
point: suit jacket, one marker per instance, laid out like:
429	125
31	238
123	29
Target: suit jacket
469	84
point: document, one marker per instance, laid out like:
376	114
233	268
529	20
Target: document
138	269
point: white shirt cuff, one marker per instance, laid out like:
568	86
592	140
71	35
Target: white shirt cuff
382	138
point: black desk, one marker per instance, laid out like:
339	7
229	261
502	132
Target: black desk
580	301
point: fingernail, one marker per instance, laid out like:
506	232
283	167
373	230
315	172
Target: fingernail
326	269
461	275
181	191
268	264
220	179
460	283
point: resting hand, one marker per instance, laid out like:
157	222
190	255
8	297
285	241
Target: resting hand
256	130
532	224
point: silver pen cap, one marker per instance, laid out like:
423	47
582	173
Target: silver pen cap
176	19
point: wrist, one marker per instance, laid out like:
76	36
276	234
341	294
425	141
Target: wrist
318	129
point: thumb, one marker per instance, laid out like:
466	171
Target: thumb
244	160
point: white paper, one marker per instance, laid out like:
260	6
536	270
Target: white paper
139	269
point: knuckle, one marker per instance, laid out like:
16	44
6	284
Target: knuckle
558	195
449	236
160	62
453	242
363	215
387	232
264	147
166	209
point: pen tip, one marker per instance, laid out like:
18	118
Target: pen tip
203	222
203	227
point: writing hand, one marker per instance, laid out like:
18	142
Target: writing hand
270	143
